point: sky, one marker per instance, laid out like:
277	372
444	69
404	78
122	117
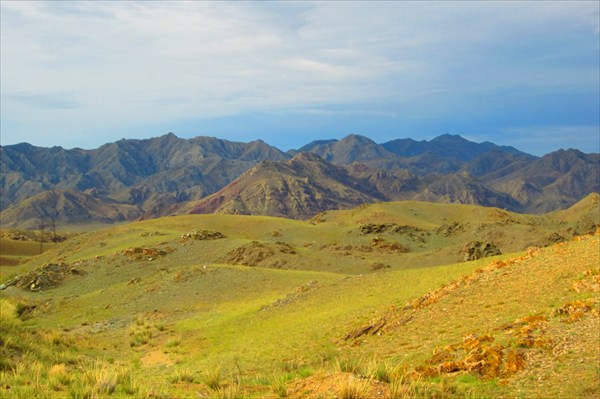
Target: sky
83	73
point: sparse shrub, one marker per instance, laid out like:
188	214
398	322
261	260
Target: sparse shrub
80	390
231	391
290	366
104	381
182	375
127	385
381	371
305	372
214	378
22	310
279	385
349	365
140	337
398	389
406	387
58	377
353	388
173	342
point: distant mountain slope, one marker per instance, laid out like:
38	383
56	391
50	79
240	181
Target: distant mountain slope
118	167
444	154
555	181
298	188
350	149
446	145
307	185
157	176
67	207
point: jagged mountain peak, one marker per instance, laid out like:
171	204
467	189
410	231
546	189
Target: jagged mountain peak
447	137
356	139
159	173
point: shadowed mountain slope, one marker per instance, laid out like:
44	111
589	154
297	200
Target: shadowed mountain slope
163	165
67	207
160	175
306	185
298	188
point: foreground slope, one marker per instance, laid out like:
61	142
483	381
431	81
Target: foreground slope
276	304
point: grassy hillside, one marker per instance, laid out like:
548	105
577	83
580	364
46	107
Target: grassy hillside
371	299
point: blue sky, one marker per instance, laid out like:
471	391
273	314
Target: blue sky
521	73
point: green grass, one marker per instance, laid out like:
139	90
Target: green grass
233	324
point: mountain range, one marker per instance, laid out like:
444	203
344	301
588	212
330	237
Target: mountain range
133	179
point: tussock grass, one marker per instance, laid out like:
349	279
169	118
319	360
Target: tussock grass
231	391
278	385
183	375
213	378
350	365
381	371
351	387
173	342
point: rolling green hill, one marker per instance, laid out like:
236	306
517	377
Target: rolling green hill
376	298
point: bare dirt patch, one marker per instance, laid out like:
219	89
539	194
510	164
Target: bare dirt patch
156	358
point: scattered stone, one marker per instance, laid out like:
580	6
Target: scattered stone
379	266
474	250
149	254
551	239
292	296
151	234
201	235
255	253
590	282
450	229
414	233
384	246
575	310
45	277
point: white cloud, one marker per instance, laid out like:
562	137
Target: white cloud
127	63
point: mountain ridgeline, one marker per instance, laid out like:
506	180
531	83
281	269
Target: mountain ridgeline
133	179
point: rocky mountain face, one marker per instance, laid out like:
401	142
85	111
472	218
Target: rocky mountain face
298	188
307	185
149	174
69	207
132	179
